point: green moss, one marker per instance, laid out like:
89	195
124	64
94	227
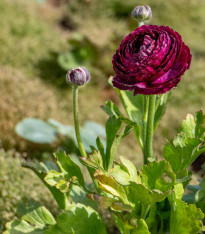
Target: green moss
26	37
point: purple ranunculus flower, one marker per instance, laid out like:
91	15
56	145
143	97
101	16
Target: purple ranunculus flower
150	60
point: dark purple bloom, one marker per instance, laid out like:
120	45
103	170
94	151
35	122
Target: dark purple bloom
150	60
78	76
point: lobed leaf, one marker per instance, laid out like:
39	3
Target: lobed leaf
158	175
41	170
78	219
185	219
139	193
34	219
109	185
68	167
188	144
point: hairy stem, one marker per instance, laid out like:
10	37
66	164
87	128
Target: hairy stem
144	121
77	133
140	23
76	123
150	128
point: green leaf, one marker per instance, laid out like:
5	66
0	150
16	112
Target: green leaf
60	180
185	219
121	174
158	175
188	144
119	223
139	193
179	191
113	139
109	185
124	132
183	176
161	103
68	167
89	133
192	127
189	198
131	169
34	219
41	170
111	109
108	202
78	219
21	226
36	130
130	225
100	147
134	106
112	127
141	228
94	160
53	177
181	157
78	195
83	51
125	172
193	188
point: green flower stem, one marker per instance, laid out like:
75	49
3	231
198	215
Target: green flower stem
144	121
140	23
150	128
76	123
77	133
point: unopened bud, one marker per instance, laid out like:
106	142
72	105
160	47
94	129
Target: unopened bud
78	76
142	13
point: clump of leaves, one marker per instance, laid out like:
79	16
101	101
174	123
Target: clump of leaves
17	185
142	201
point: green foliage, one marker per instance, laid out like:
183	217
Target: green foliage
188	144
82	53
36	130
158	175
37	219
196	194
152	186
69	168
135	107
78	219
113	139
41	170
185	218
139	193
17	185
34	218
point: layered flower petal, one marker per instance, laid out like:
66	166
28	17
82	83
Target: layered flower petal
150	60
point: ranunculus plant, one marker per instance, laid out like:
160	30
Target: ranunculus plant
148	64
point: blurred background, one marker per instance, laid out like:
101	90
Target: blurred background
41	39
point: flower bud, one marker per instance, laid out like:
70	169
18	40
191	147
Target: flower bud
142	13
78	76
